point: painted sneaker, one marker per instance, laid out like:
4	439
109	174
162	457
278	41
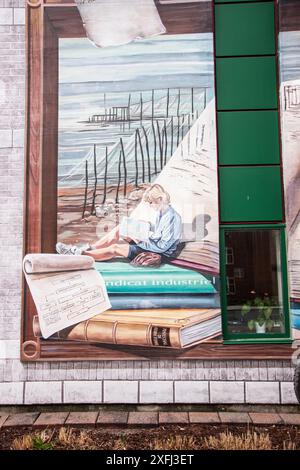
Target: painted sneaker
64	249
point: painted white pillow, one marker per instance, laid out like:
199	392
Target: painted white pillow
116	22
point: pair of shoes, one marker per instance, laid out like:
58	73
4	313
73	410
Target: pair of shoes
64	249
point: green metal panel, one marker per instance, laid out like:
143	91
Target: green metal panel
248	138
236	1
245	29
255	338
249	194
246	83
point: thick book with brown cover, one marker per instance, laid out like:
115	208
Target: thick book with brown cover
168	328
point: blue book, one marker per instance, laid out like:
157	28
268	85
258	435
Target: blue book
148	301
122	278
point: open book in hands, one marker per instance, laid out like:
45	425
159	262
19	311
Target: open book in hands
136	230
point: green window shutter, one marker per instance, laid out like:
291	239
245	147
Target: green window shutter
245	29
248	138
246	83
249	194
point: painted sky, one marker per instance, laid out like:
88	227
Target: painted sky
166	61
289	55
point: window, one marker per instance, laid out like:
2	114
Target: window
229	255
255	305
230	285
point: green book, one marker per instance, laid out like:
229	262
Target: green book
122	278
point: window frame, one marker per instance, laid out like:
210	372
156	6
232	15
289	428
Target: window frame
249	338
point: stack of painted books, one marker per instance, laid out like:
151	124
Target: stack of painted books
167	306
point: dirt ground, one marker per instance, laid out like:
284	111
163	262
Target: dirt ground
76	226
171	437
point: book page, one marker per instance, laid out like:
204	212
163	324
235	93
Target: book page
135	229
190	178
65	298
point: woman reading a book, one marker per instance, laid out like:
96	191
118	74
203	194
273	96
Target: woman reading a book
163	239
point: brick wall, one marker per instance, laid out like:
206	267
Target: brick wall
92	382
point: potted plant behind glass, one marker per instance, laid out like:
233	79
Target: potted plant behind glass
261	309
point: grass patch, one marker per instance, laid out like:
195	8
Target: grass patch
229	441
175	443
66	438
192	437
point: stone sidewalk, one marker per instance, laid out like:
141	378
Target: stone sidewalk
143	418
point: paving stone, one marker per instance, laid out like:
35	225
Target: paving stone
203	417
173	417
52	419
21	419
291	418
3	418
227	417
113	417
84	417
143	418
265	418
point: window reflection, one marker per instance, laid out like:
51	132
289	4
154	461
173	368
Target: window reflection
254	282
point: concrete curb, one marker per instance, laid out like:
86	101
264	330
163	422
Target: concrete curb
143	419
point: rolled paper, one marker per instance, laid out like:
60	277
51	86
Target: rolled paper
35	263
